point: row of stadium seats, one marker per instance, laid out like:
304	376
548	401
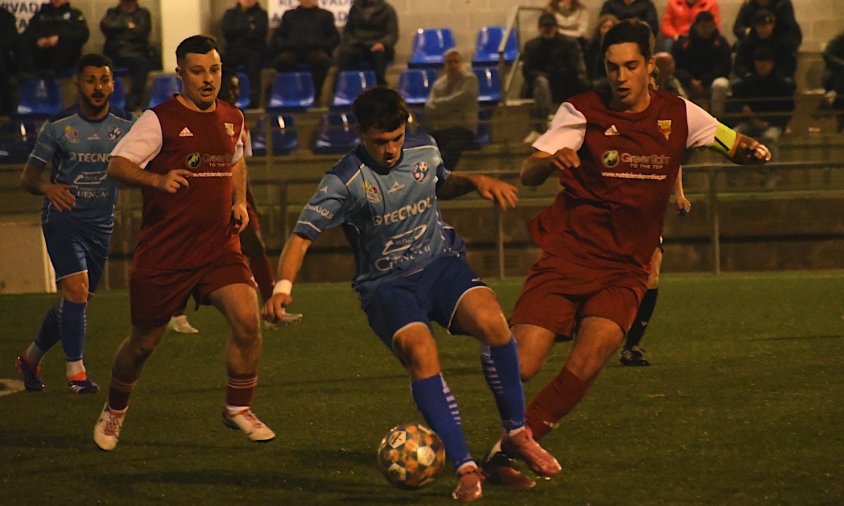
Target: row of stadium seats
430	44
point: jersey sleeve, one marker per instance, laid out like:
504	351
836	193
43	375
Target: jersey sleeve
567	130
142	142
45	147
702	126
239	148
325	209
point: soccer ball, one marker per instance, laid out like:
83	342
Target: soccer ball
410	456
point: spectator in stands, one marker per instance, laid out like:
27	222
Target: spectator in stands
833	56
595	70
9	47
572	18
763	35
54	38
644	10
451	113
306	34
370	35
126	28
680	14
551	65
704	59
245	28
783	10
766	101
665	77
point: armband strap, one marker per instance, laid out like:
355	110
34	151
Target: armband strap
283	286
725	140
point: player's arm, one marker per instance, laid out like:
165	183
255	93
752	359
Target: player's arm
289	266
59	195
683	204
129	173
502	193
540	165
240	216
739	148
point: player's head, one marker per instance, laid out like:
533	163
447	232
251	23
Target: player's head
628	57
381	114
200	69
94	82
230	87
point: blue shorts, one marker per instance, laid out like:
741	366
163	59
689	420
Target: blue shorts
431	294
74	249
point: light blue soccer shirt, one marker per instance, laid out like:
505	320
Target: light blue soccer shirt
78	151
391	217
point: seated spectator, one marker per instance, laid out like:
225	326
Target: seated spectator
833	56
305	34
54	38
9	48
593	56
783	10
666	78
763	35
680	14
765	99
572	18
703	60
245	29
370	35
644	10
551	65
126	28
451	112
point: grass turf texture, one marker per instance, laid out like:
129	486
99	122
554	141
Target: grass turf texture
742	405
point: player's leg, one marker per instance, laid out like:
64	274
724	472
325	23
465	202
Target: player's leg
72	319
632	354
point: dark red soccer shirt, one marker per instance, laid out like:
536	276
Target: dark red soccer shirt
191	227
611	209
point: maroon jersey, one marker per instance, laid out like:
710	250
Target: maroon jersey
611	209
191	227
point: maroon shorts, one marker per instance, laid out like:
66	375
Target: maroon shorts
155	295
558	293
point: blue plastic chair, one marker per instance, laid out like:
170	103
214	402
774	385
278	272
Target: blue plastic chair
291	91
40	97
243	84
118	98
337	133
429	46
17	139
489	85
283	131
415	85
487	42
484	133
350	83
163	89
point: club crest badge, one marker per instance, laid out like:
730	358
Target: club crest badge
229	129
372	193
664	127
419	171
114	133
71	134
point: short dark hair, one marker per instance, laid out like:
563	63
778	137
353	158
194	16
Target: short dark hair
630	30
93	60
198	44
764	16
380	107
704	17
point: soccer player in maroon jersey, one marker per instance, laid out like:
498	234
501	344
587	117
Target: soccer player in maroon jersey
617	157
186	155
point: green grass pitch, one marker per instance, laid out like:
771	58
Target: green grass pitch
742	405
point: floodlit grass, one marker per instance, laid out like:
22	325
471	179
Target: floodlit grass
742	405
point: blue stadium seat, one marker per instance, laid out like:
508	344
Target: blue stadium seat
163	88
17	139
337	133
484	133
489	85
118	98
291	91
350	83
429	46
40	97
284	135
416	84
487	42
243	84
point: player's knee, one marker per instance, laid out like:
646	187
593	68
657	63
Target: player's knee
75	291
529	367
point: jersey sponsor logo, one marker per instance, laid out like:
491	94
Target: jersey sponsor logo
71	134
89	157
389	262
229	129
610	158
372	193
664	127
403	213
114	133
396	187
654	161
612	130
186	132
90	178
634	175
404	241
419	171
325	213
193	160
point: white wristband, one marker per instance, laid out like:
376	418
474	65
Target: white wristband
284	286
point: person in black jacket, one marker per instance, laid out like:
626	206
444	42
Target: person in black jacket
644	10
306	34
833	56
370	34
764	35
126	28
703	60
245	28
9	55
54	38
783	10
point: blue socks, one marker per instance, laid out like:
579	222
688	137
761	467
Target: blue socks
72	323
501	370
48	336
439	407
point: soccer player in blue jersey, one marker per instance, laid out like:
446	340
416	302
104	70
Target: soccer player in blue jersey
411	271
77	215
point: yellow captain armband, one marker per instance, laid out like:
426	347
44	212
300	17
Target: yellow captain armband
725	140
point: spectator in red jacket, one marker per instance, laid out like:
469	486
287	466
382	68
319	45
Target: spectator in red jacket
679	16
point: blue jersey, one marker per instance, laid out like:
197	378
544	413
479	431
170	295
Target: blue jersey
78	150
390	216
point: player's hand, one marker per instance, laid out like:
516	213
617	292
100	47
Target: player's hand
502	193
59	196
565	159
754	152
173	180
684	206
274	309
240	217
